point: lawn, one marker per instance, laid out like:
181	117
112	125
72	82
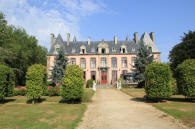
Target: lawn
175	106
49	114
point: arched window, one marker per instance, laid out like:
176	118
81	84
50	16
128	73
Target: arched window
103	50
83	50
123	49
114	62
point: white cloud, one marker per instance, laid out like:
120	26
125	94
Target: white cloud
62	16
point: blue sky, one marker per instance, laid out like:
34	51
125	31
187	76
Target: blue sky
169	19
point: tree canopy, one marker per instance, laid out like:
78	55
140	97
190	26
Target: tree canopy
182	51
19	50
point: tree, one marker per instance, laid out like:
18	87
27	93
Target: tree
72	84
158	81
36	78
143	58
185	76
19	50
182	51
59	67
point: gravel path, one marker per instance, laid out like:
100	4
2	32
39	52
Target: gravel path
112	109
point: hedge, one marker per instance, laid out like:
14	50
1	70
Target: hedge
72	84
158	81
89	83
36	82
185	76
7	82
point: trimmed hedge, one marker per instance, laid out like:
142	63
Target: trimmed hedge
89	83
20	90
72	84
185	76
7	82
36	82
158	81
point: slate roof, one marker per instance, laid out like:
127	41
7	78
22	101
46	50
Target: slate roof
131	46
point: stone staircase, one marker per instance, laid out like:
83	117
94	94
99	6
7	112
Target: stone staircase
104	86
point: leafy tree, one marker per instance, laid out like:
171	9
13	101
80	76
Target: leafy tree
185	76
72	84
158	81
19	50
36	78
143	58
182	51
59	67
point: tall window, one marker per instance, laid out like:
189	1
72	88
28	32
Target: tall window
114	62
93	75
114	76
83	63
103	50
133	59
93	62
124	62
73	61
103	61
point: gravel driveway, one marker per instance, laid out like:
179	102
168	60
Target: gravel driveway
112	109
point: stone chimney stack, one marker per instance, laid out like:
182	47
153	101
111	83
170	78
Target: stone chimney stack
52	39
115	39
152	36
68	39
127	38
89	38
136	37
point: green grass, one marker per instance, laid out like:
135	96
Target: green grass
175	106
49	114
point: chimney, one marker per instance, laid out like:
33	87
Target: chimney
152	36
68	39
115	39
136	37
74	39
127	38
52	39
89	38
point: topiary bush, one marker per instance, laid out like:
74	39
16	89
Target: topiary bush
72	84
36	83
158	81
185	76
89	83
7	82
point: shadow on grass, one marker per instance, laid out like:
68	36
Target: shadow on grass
40	100
7	101
76	101
139	99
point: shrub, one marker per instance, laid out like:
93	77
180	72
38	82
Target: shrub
141	84
36	81
158	81
72	84
88	94
7	81
186	78
20	90
53	91
89	83
174	86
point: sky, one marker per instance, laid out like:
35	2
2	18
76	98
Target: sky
102	19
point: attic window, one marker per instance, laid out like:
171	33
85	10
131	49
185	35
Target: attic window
113	49
123	50
73	50
133	49
83	51
103	50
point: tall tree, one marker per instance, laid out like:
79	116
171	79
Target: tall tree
59	67
182	51
143	58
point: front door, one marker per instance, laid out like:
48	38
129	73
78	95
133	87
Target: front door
104	77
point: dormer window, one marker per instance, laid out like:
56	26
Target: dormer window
113	49
133	49
82	50
123	49
103	50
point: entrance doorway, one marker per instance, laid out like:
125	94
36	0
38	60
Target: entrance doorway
103	77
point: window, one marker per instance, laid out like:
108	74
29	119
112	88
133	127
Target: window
114	76
133	59
73	61
93	63
83	50
124	62
113	49
133	49
123	50
103	50
103	61
114	62
93	75
73	50
83	63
